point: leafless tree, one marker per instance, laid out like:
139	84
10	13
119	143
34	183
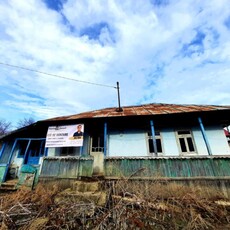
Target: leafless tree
25	122
5	127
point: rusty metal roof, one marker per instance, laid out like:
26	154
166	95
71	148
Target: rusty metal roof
147	109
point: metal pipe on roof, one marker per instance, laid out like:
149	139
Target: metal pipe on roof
119	101
204	136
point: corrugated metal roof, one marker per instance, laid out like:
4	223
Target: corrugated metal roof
147	109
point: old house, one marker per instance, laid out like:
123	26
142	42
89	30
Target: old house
146	141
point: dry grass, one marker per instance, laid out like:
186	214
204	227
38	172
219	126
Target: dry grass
130	205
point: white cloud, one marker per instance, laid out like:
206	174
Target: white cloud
141	45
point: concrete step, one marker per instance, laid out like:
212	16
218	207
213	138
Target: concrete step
9	185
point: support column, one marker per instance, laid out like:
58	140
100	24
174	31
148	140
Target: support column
26	152
9	160
204	136
105	139
2	149
81	150
153	137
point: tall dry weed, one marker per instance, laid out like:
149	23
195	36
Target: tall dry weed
131	204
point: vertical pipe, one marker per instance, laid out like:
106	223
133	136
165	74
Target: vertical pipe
153	137
119	101
204	136
105	138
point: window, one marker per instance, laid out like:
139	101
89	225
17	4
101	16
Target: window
35	148
185	141
158	142
70	151
6	153
21	147
97	143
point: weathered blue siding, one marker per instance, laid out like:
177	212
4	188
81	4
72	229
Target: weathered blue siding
67	167
127	143
173	167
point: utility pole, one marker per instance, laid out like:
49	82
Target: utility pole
119	109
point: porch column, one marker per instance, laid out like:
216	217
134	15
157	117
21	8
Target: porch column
26	155
105	138
153	137
12	151
10	158
2	149
81	150
204	136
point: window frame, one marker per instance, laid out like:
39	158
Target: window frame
70	151
158	136
98	137
29	141
185	137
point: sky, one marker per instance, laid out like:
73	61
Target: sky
160	51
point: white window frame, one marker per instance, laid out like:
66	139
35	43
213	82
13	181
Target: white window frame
157	137
97	149
185	136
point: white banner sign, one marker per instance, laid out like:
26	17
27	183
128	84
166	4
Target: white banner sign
65	136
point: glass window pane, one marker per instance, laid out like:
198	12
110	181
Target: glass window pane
101	144
183	132
97	143
190	144
182	145
159	147
34	148
151	149
42	148
21	147
157	133
70	151
94	141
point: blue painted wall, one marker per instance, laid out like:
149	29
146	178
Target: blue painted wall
127	144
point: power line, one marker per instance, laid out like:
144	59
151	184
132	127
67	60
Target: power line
58	76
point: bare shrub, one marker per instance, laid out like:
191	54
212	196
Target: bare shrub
131	204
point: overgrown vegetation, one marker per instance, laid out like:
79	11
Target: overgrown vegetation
129	205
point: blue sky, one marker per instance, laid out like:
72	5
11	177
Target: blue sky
161	51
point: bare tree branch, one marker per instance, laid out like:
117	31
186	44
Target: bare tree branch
5	127
25	122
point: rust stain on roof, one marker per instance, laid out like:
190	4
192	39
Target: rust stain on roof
148	109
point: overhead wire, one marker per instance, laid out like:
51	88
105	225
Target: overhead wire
55	75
